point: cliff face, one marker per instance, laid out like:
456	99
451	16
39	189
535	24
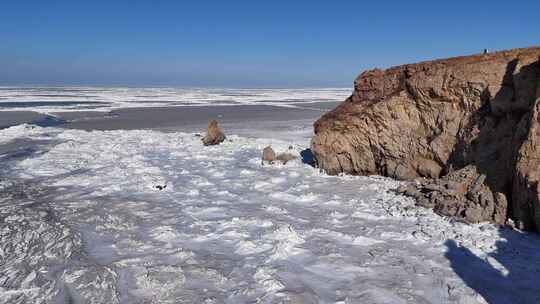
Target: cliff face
432	118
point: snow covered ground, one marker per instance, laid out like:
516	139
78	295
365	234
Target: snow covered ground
66	99
81	221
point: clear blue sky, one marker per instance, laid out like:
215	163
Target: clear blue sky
245	43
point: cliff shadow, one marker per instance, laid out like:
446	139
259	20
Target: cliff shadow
501	124
509	275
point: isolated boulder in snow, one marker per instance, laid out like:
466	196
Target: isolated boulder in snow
214	135
422	120
268	155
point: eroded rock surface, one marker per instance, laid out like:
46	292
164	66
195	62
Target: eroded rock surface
525	191
430	118
461	194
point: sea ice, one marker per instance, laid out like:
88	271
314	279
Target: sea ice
70	99
84	222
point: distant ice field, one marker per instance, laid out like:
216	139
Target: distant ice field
63	99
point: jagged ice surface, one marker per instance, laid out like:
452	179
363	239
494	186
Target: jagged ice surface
224	230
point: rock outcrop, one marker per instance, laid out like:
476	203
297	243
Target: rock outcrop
214	135
433	118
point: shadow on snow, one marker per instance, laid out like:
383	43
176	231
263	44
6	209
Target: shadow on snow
509	275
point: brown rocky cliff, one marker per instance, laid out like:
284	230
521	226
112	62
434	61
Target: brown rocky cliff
430	118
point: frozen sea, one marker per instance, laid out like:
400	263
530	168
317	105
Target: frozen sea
82	219
63	99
